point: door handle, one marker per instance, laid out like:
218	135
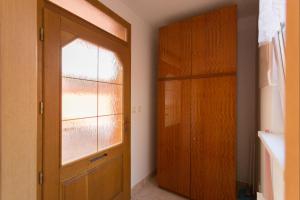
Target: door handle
98	157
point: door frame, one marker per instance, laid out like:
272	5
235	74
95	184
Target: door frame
41	5
292	128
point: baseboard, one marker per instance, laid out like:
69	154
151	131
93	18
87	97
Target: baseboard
137	187
260	196
245	186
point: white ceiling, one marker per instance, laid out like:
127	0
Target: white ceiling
161	12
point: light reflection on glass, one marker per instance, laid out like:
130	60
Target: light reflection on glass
80	60
110	69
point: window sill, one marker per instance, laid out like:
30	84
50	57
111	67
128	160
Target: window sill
274	144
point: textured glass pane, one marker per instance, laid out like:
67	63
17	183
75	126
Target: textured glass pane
80	60
109	131
79	98
79	139
109	99
110	67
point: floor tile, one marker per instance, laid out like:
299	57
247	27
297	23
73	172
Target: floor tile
150	191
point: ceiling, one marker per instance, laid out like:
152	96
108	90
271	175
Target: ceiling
161	12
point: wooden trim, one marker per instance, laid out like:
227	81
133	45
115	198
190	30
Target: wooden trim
109	12
198	76
83	22
292	130
39	96
51	118
91	35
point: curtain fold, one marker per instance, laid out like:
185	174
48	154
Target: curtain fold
271	19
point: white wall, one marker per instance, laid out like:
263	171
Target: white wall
247	96
142	92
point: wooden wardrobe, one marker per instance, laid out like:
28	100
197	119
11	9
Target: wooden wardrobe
196	142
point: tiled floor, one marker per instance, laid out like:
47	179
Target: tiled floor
150	191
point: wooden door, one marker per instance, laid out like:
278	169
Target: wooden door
175	50
173	153
213	138
213	121
214	42
86	130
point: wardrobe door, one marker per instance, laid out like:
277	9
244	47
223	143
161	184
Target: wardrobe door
173	153
213	138
214	42
175	50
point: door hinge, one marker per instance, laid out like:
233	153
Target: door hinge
41	178
42	33
41	107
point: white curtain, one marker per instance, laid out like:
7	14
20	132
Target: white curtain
271	17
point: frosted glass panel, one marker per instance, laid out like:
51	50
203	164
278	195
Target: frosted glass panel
79	98
79	139
92	103
110	68
109	131
109	99
80	60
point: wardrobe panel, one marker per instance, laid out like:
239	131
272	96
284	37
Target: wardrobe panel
175	50
213	138
173	153
214	42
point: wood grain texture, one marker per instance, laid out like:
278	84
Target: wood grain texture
173	164
292	129
213	144
103	182
76	189
175	50
56	175
51	120
89	25
106	181
94	15
197	106
214	42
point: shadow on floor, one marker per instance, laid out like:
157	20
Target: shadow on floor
244	194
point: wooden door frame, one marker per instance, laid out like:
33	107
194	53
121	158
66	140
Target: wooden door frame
292	129
41	4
